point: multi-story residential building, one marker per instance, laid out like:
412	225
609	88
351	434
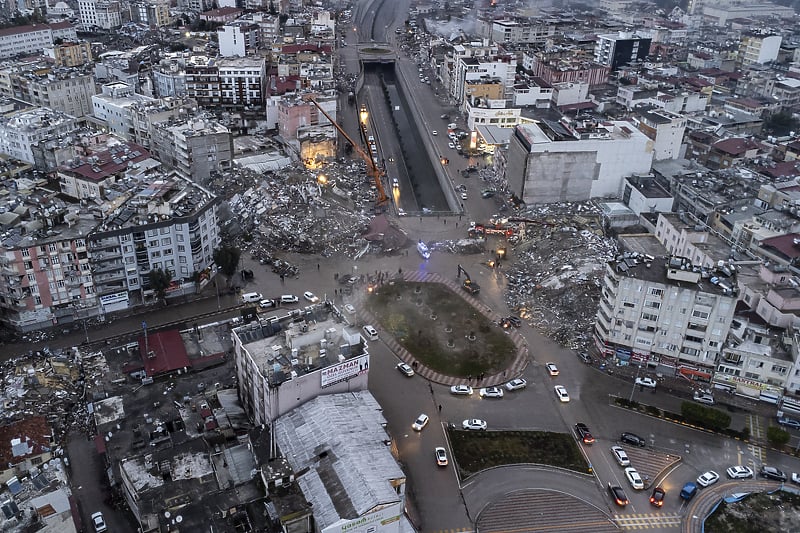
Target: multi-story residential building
202	80
146	113
68	90
112	108
664	128
480	114
470	70
20	131
169	75
195	147
758	48
165	222
561	161
562	65
296	113
282	366
523	31
618	49
664	312
242	82
154	13
70	53
238	38
34	38
218	16
100	14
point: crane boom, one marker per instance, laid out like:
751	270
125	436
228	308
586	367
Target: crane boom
373	170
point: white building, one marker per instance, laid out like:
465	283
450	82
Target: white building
32	39
473	70
758	49
664	128
20	131
492	116
237	39
570	93
663	312
561	161
243	81
195	147
102	14
537	93
112	107
282	364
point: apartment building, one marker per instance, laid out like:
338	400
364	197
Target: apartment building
146	113
112	107
522	31
195	147
238	39
65	89
169	75
154	13
100	14
664	311
562	161
565	64
70	53
20	131
281	365
758	48
664	128
471	70
33	38
619	49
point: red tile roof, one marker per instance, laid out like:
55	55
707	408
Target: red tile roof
34	435
109	162
167	352
221	12
735	146
784	244
783	169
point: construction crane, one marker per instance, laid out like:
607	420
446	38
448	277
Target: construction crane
373	170
468	285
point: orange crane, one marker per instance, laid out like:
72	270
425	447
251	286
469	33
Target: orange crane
373	170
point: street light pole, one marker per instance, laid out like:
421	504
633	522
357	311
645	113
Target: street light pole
633	389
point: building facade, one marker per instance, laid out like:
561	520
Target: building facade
619	49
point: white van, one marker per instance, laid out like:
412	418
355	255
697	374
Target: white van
250	297
370	332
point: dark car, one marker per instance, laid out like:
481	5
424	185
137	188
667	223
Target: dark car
514	321
657	498
618	495
632	438
789	422
770	472
688	491
583	433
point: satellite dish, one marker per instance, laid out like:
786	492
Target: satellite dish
179	519
167	515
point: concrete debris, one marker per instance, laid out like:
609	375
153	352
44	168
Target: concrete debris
554	281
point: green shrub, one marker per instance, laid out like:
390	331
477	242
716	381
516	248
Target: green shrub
777	437
706	417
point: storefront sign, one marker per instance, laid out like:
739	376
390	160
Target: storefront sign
344	370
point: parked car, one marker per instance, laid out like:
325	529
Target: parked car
770	472
465	390
789	422
657	497
583	433
441	456
266	304
647	382
434	132
634	478
474	424
796	478
618	495
688	491
289	299
703	397
99	522
739	472
620	455
707	479
311	297
583	356
552	369
420	423
514	321
349	309
561	393
487	194
491	392
516	384
405	369
632	438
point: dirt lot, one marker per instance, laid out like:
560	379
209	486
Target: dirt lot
758	513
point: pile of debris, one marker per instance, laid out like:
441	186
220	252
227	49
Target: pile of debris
555	281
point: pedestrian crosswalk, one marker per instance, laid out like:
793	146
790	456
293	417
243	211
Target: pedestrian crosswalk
467	530
647	521
756	433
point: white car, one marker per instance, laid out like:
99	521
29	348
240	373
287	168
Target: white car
516	384
620	455
451	145
796	478
703	397
420	423
561	393
441	456
349	309
311	297
491	392
647	382
552	369
465	390
463	196
707	479
739	472
474	424
434	132
405	369
266	304
634	478
99	522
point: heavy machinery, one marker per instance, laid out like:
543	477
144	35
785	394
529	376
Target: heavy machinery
468	285
375	172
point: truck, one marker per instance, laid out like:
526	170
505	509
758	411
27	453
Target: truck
468	285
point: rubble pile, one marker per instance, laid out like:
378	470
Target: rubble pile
324	211
555	281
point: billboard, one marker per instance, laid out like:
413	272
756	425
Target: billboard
344	370
385	520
